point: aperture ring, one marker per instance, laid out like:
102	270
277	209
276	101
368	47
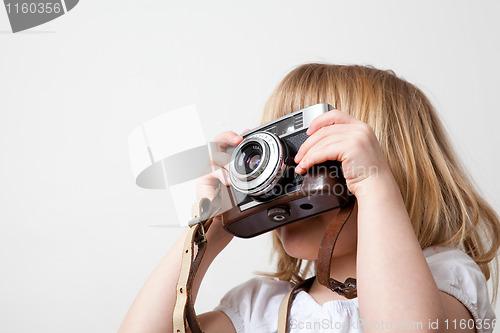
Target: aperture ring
270	174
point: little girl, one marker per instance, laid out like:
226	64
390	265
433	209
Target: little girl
419	242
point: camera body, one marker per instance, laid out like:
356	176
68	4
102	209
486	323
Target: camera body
265	192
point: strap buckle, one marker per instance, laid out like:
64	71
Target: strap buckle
201	234
347	289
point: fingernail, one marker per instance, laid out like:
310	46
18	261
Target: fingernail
237	138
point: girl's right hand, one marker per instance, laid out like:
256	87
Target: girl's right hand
206	185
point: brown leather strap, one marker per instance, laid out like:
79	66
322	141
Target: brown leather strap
183	291
348	288
184	306
286	304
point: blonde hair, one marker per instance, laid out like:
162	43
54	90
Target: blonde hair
444	206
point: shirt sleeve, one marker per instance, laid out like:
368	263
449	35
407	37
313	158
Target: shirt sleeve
249	304
458	275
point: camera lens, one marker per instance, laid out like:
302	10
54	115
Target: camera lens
257	164
253	161
249	158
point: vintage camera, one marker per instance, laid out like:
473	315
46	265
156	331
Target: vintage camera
265	192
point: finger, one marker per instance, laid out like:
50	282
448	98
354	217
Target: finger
212	180
330	118
220	159
325	150
223	146
206	185
341	129
230	138
222	176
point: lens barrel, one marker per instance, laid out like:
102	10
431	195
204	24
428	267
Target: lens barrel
257	164
250	157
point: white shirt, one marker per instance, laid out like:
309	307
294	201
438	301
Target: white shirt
253	306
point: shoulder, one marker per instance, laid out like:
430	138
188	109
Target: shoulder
458	275
453	266
253	299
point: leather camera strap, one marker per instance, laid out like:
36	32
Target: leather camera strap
184	307
347	289
286	304
199	225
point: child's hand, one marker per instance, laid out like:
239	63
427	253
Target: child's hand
335	135
220	158
206	185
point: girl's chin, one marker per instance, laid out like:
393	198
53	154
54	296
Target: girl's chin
298	242
300	253
302	239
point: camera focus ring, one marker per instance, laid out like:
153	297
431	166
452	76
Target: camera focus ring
251	159
257	163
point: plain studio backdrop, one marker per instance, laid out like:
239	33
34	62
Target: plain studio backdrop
78	238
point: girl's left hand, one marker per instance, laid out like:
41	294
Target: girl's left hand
336	135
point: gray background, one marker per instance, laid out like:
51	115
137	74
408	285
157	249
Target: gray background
76	241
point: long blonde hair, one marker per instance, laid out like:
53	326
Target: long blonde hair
444	206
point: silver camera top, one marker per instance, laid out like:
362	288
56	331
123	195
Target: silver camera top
292	122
